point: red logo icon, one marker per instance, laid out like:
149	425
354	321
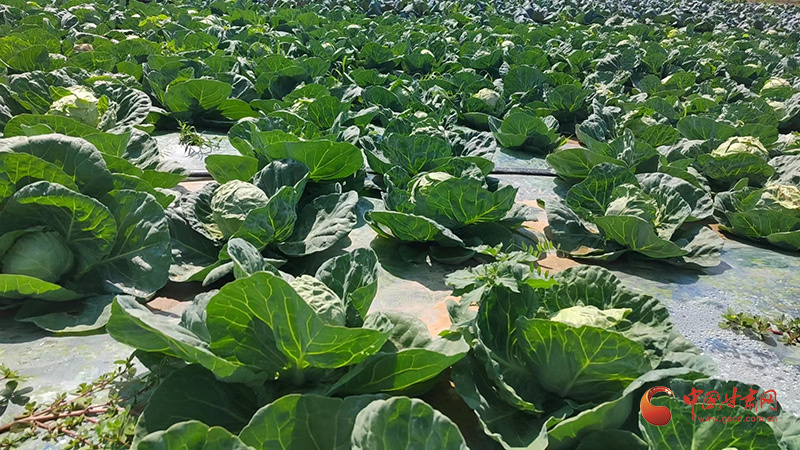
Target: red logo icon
655	415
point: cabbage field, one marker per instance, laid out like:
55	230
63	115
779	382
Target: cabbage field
663	132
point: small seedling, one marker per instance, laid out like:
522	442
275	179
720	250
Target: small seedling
194	142
760	327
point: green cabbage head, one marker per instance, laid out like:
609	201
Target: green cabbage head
80	105
492	99
741	144
41	254
776	83
786	195
232	202
778	107
422	185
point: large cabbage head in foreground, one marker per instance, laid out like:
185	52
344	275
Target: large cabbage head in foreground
70	237
38	254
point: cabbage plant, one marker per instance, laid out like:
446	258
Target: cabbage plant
420	152
73	103
574	163
481	107
268	210
288	197
737	158
613	212
80	103
770	214
263	335
520	130
71	238
567	102
563	363
448	212
438	202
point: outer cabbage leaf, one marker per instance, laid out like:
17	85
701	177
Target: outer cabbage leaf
404	422
583	364
191	434
21	287
406	363
687	430
752	214
725	171
196	95
74	156
194	393
576	236
409	228
134	325
298	421
527	132
353	277
137	264
457	202
82	316
593	195
262	321
326	160
321	223
413	153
